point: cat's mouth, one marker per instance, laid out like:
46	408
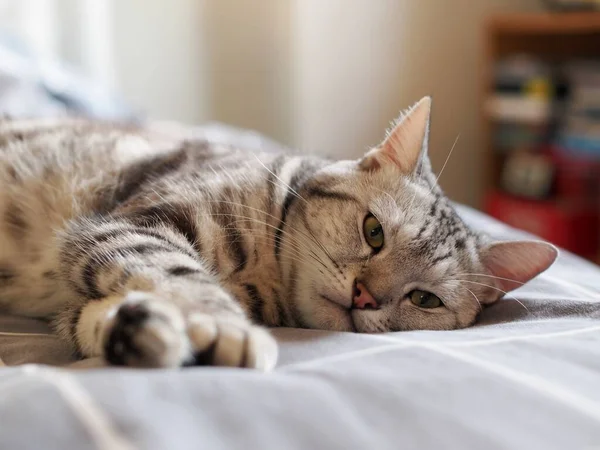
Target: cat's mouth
345	310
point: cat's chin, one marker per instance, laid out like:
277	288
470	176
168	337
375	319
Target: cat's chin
336	317
366	321
328	315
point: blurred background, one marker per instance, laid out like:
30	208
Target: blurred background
518	81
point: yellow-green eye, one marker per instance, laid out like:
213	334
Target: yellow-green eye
373	232
424	299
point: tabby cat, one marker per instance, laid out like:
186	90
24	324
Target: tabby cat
156	255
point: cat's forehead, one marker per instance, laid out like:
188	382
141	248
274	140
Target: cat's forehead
442	237
413	205
422	220
366	184
397	197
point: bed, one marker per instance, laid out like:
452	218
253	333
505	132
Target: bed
527	376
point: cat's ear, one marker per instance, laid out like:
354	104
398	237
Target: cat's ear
405	144
513	263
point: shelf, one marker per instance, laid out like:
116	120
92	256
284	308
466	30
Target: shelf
547	23
551	37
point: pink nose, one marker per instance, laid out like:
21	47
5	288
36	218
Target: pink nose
363	298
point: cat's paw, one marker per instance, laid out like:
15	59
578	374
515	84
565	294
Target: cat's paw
230	342
145	332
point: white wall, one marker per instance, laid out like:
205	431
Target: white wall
249	62
160	54
348	56
33	21
324	75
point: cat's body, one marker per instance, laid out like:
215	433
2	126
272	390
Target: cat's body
156	253
80	170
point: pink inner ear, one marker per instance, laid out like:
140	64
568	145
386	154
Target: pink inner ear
515	263
405	143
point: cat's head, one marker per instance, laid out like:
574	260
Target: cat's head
378	247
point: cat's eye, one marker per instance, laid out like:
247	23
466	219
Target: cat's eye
424	299
373	232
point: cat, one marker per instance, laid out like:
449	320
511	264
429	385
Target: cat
155	254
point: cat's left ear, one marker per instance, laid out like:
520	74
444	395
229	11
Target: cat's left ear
513	263
406	143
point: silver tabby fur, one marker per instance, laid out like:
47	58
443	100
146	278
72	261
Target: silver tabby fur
155	252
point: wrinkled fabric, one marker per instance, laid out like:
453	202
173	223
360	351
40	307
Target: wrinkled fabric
525	377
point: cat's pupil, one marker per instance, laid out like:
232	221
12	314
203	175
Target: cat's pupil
375	231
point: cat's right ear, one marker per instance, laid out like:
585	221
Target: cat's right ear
405	145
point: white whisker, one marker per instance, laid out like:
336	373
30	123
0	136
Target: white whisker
476	299
446	162
498	289
282	182
384	192
310	238
490	276
304	200
591	295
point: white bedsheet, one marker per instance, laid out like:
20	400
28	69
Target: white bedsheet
526	377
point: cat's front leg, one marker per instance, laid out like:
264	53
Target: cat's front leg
147	301
142	329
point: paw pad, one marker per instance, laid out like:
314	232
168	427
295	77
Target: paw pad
145	332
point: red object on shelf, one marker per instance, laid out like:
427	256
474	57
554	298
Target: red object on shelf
577	177
571	226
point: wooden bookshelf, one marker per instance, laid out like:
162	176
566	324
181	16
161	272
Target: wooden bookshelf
547	23
554	37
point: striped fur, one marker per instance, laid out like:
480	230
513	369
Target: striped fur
151	250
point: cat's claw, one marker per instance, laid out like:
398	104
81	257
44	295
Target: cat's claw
231	342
